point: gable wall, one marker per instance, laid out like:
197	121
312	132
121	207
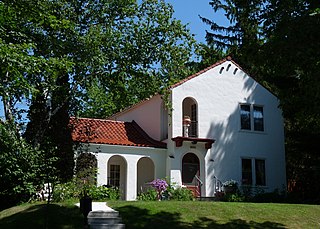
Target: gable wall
147	115
218	96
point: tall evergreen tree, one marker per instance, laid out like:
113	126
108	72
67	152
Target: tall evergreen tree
278	42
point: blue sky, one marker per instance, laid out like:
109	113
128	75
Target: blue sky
188	12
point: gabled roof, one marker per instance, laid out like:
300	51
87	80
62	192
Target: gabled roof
228	58
101	131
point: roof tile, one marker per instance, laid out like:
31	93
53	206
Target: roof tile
102	131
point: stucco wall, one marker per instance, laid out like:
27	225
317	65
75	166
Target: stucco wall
218	94
147	115
130	156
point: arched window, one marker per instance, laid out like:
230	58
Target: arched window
190	118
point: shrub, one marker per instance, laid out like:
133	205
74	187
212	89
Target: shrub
150	195
231	197
113	194
98	193
72	190
65	191
181	194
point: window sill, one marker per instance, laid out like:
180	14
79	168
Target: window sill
253	132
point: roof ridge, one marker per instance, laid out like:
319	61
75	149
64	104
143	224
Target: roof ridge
228	58
98	119
133	105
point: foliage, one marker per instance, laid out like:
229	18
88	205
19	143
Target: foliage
230	183
180	194
150	195
233	197
89	58
74	190
21	167
160	190
86	165
277	42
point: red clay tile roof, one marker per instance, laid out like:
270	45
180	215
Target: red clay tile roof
102	131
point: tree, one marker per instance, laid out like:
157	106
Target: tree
278	42
293	35
21	167
60	56
144	50
243	35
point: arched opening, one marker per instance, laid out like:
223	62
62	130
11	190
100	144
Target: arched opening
117	170
190	112
191	173
145	174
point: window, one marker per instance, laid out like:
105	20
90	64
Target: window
246	172
253	169
257	117
260	172
190	112
194	123
114	175
245	117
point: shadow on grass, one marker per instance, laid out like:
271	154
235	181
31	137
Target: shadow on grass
35	217
135	217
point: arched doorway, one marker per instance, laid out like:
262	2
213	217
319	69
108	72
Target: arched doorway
191	173
190	111
117	170
145	173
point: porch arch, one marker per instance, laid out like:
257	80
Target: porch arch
117	173
145	173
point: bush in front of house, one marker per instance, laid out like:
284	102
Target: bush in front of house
72	190
181	194
150	195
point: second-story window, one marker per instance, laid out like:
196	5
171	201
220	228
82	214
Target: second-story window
251	117
190	113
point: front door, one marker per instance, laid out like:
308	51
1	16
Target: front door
190	172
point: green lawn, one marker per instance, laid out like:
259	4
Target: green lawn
216	215
170	214
60	216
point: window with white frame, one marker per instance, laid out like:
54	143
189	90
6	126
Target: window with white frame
114	176
251	116
253	170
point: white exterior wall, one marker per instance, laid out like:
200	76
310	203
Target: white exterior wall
131	156
218	96
147	115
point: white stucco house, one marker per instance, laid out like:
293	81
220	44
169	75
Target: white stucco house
223	125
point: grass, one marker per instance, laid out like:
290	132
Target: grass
216	215
169	214
60	216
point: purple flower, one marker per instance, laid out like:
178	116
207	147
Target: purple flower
159	184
